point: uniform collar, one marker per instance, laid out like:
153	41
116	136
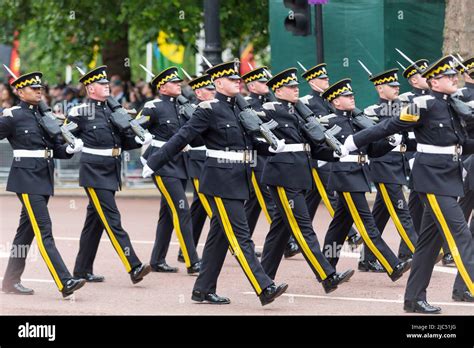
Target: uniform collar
260	97
439	95
342	112
286	103
167	98
224	98
469	85
97	102
419	91
316	94
28	106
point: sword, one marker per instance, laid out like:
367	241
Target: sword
409	60
186	73
365	68
301	66
459	62
250	66
10	72
147	71
80	70
208	63
401	65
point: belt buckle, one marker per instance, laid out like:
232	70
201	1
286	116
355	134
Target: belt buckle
361	159
247	156
306	147
115	152
457	153
47	153
403	147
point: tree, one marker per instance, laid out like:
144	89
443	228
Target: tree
55	33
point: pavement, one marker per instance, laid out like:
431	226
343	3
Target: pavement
170	294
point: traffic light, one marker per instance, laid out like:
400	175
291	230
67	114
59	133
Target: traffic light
298	20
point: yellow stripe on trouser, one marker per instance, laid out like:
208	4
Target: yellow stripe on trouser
235	245
115	243
260	199
322	192
202	198
363	232
297	233
176	224
451	242
39	240
394	216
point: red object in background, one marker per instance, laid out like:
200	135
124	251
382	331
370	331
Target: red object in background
15	56
245	58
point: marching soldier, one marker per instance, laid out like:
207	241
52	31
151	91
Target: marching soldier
32	179
260	198
389	173
200	209
288	176
350	179
439	123
225	181
318	79
460	291
163	120
100	175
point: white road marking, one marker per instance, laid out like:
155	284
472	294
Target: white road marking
366	299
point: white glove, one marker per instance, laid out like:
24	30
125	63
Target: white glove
78	145
147	171
410	163
280	146
344	152
148	139
349	144
397	139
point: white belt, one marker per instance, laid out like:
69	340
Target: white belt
354	158
33	153
321	163
440	150
159	143
190	148
103	152
296	148
243	155
400	148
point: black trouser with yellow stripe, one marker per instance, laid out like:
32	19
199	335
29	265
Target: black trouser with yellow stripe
229	227
200	210
443	219
321	193
467	205
389	203
173	192
293	217
35	222
103	213
353	208
260	200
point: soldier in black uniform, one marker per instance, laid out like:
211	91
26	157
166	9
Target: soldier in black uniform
163	120
318	79
439	122
100	175
288	176
260	198
389	173
200	209
460	291
350	178
32	179
225	180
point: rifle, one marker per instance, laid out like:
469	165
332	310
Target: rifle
363	122
315	130
49	124
186	109
122	119
252	123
